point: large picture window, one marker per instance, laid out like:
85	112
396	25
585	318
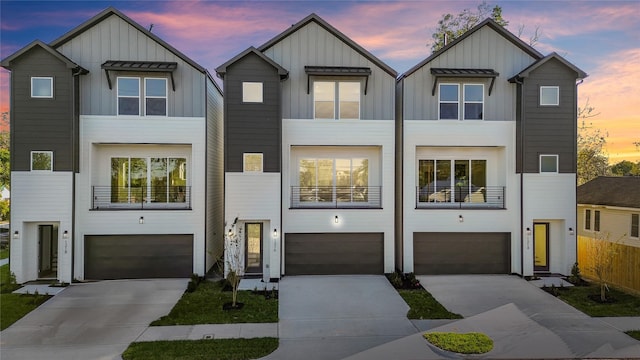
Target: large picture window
443	181
148	180
336	99
334	180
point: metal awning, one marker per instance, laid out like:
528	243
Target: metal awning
337	71
463	73
143	66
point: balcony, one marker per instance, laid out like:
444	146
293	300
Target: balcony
486	197
336	197
141	198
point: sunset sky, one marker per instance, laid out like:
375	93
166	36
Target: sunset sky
600	37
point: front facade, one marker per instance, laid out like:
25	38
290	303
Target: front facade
127	181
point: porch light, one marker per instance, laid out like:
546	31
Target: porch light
16	235
65	234
141	220
275	233
571	232
460	218
528	231
336	220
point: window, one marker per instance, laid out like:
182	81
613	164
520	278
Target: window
333	179
42	160
449	101
596	220
155	97
148	180
473	101
549	95
128	96
452	180
252	162
346	94
635	225
41	87
548	163
587	219
252	92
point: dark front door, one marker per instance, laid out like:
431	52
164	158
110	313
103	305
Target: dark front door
253	246
47	251
541	246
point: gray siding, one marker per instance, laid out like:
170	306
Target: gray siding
549	129
252	127
42	124
115	39
399	179
313	45
215	176
477	51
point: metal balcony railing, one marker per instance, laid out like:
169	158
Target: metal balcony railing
336	197
141	198
461	197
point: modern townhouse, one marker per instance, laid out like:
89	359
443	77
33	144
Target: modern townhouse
489	158
116	157
310	154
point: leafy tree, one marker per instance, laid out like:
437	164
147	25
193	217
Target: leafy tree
450	26
593	160
625	167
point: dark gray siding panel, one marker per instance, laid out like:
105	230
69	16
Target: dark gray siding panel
252	127
334	253
42	124
138	256
461	253
550	129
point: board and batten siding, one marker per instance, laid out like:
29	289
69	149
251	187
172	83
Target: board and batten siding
478	51
215	175
42	124
115	39
312	45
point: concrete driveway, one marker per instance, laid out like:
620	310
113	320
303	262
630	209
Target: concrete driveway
91	321
332	317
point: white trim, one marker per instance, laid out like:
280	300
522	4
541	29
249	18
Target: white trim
557	100
165	97
337	99
540	164
249	85
244	163
440	101
50	87
128	97
42	152
464	101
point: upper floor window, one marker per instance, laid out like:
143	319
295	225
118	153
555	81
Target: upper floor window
42	160
596	220
472	98
549	95
587	219
41	87
449	101
148	180
328	180
548	163
128	96
452	181
252	92
635	225
252	162
155	96
473	101
336	99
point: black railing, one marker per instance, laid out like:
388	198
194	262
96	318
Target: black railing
142	197
336	197
461	197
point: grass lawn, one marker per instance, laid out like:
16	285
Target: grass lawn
578	297
221	349
14	306
469	343
4	253
204	306
425	306
634	334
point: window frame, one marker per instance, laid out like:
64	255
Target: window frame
596	220
557	162
50	87
557	95
440	101
635	228
337	99
587	219
118	96
246	86
244	163
465	102
50	160
165	97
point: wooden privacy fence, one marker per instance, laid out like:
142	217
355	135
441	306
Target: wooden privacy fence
625	269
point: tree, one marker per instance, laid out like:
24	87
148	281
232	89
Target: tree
450	26
624	168
602	254
592	160
233	261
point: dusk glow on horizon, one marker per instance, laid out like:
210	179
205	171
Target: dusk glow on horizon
602	38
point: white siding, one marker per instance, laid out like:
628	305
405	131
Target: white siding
40	198
615	223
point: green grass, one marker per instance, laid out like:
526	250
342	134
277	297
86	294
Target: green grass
469	343
222	349
7	285
634	334
15	306
204	306
424	306
4	253
578	297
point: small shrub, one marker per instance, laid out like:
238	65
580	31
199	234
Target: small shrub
395	278
469	343
193	283
576	276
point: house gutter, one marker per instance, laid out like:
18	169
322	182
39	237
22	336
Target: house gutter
522	233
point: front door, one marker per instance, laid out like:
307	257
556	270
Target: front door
47	251
541	246
253	246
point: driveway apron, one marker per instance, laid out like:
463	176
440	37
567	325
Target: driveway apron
91	321
332	317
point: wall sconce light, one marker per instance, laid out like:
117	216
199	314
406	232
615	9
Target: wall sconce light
65	234
275	233
141	220
571	232
16	235
528	231
460	218
336	220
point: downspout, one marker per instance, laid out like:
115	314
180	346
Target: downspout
575	162
520	84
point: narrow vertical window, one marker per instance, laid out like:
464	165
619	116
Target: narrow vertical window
252	92
349	93
128	96
473	101
587	219
155	97
41	87
548	163
596	220
42	160
549	95
324	99
252	162
449	98
635	225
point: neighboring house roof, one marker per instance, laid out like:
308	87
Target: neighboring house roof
222	69
6	63
318	20
490	23
622	191
525	73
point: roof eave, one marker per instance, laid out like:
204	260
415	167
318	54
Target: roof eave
6	62
222	69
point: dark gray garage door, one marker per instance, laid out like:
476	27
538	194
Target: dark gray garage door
334	254
137	256
462	253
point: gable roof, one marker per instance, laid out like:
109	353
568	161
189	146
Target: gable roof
487	22
70	35
6	62
222	69
623	191
322	23
525	73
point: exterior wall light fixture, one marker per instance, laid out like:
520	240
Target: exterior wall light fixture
336	219
571	232
275	233
141	220
460	218
65	234
528	231
16	235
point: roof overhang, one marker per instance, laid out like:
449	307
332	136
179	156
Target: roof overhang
463	73
337	71
140	66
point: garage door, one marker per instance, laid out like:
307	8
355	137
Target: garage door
462	253
138	256
334	254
